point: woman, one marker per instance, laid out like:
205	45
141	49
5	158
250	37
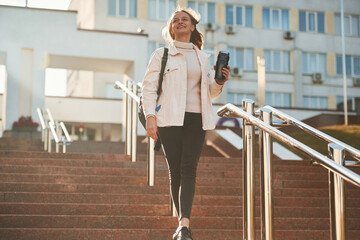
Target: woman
183	111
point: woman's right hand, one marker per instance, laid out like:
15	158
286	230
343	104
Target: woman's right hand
151	127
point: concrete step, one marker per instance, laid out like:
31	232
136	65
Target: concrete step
159	222
119	180
141	209
84	198
159	189
160	165
158	234
202	200
142	180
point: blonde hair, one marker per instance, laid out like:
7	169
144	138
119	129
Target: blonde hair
197	38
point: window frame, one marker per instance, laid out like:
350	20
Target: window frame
281	61
233	54
338	16
237	97
243	17
317	62
318	102
282	95
127	9
204	19
352	65
157	10
340	102
316	20
281	25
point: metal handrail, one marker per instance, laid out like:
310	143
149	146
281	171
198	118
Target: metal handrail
229	110
67	136
53	129
337	171
292	121
132	101
42	121
44	128
120	85
51	119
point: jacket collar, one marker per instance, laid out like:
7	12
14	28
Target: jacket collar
173	50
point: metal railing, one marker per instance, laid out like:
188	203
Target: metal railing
335	164
350	151
132	101
51	129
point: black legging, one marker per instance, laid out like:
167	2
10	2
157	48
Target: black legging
182	146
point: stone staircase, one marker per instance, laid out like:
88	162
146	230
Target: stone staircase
105	196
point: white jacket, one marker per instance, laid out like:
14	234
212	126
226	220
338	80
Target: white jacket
169	109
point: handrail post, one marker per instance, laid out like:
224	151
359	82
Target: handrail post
151	161
49	139
58	134
128	120
266	152
46	135
64	147
337	196
134	124
248	135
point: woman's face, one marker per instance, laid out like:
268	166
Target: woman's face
181	24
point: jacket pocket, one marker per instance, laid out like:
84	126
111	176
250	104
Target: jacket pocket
170	69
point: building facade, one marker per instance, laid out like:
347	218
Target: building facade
299	40
34	41
101	41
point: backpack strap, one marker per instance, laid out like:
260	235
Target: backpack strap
163	64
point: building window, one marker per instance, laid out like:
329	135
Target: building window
277	61
211	52
340	103
239	15
152	46
312	21
161	9
241	58
124	8
352	65
313	62
276	99
351	25
206	10
276	19
236	98
315	102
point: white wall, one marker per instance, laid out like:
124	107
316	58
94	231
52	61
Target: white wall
90	110
1	103
55	41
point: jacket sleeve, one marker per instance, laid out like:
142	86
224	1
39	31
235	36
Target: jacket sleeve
215	88
150	84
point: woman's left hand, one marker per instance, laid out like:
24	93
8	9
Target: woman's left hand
225	72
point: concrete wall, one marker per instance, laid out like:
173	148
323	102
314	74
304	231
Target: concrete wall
1	103
90	110
33	39
86	13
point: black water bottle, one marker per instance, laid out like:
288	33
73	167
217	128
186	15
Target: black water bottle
221	62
